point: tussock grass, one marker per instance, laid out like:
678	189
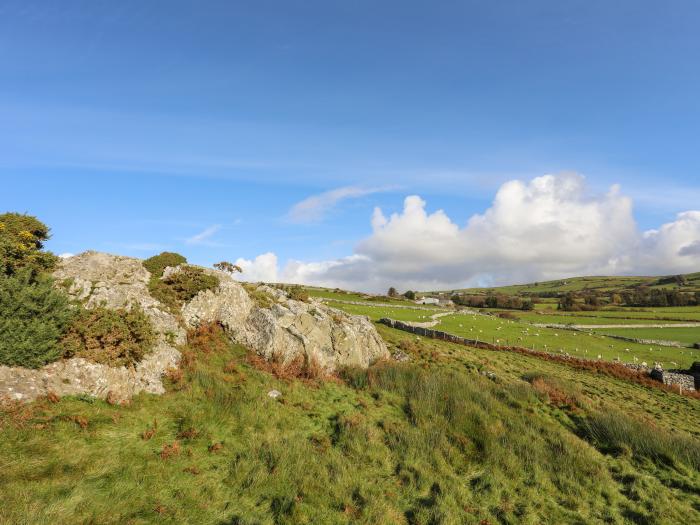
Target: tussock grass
619	433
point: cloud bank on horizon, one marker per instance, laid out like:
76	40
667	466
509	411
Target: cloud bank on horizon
548	228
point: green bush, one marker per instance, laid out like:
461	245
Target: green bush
112	337
180	287
32	317
21	243
158	263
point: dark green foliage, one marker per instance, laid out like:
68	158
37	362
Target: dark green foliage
410	294
178	288
21	244
32	317
615	432
112	337
158	263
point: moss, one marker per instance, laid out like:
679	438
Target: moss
261	298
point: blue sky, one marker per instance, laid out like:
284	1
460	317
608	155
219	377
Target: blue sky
133	127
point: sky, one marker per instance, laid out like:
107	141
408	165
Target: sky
360	144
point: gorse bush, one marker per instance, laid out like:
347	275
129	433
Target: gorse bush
21	244
33	316
158	263
112	337
181	286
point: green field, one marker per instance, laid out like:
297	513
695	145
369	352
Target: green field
579	344
340	295
494	330
586	319
377	312
686	336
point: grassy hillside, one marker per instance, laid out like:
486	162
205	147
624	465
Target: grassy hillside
432	441
599	284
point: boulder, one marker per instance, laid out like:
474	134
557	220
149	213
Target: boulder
287	329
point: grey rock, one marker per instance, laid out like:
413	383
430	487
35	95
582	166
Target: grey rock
115	281
79	376
288	328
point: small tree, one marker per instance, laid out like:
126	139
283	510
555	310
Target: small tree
392	292
410	294
228	267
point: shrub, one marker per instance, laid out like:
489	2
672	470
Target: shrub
297	293
180	287
112	337
21	243
33	315
261	298
158	263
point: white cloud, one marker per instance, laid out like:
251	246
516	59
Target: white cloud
203	236
315	207
548	228
262	268
66	255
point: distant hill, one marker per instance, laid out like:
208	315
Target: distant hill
687	282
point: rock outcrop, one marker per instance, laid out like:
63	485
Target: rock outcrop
285	328
277	328
79	376
115	281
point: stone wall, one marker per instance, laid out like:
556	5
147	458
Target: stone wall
687	381
676	378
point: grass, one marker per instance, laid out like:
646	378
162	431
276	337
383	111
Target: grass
685	336
597	283
578	344
433	441
415	314
341	295
592	318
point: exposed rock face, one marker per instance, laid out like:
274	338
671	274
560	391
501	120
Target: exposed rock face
288	328
284	329
115	281
79	376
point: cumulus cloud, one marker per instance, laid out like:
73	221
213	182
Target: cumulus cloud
550	227
262	268
314	208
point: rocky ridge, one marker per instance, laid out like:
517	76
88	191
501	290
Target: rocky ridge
282	329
